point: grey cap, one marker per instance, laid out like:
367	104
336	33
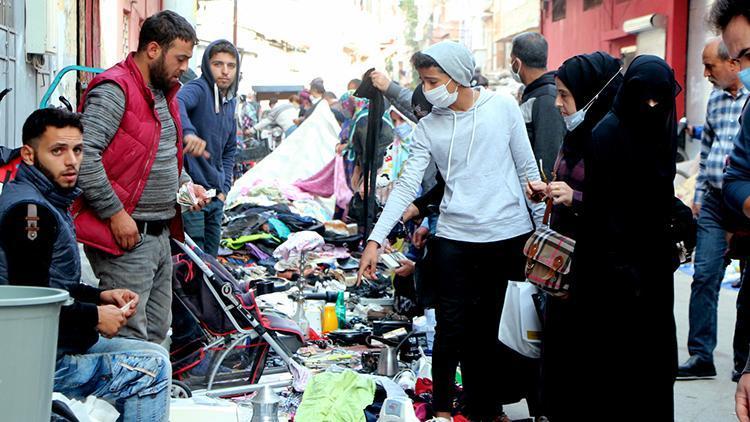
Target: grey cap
455	59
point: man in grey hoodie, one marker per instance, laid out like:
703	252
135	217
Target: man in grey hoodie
478	141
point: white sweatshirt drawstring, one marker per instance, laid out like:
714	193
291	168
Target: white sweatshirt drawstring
453	138
216	99
473	130
450	150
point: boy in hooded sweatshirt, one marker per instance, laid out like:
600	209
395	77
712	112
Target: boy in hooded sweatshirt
207	106
478	141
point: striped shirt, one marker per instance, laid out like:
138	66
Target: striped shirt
717	141
103	111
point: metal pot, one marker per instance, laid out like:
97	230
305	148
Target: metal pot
265	406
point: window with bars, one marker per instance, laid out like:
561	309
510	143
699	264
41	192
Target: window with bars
6	13
8	124
558	10
588	4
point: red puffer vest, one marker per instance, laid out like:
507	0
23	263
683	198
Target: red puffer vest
130	155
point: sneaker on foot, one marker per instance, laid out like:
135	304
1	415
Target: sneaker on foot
696	368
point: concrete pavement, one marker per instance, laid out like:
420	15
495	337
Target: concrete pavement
698	400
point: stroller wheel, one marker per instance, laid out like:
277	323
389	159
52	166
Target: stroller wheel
180	390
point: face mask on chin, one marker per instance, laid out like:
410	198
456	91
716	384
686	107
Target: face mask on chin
575	119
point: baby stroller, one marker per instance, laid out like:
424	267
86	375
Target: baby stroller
221	340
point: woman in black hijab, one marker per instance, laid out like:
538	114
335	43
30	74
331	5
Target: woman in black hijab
586	85
624	250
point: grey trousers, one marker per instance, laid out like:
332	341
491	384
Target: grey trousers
146	270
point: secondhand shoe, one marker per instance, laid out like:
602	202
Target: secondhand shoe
696	368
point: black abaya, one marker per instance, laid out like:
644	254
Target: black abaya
625	290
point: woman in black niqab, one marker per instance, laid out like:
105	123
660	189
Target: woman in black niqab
624	250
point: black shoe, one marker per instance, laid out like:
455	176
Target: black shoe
736	375
696	368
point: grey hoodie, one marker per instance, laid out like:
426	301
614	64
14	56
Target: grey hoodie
486	158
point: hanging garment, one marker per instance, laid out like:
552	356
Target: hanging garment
329	181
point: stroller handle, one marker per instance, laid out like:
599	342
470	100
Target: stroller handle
188	247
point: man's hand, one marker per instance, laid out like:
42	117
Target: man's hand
406	269
221	197
111	319
203	200
411	212
124	230
420	237
696	209
380	81
340	148
536	190
561	193
120	298
368	263
742	399
195	146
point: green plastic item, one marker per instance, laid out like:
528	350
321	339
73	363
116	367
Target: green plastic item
28	326
240	242
341	310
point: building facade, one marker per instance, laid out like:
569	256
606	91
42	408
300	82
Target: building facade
623	28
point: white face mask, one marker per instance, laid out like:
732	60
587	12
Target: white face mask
575	119
440	97
516	75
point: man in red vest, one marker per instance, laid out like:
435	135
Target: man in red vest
132	170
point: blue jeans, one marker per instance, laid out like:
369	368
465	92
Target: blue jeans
710	265
204	226
132	374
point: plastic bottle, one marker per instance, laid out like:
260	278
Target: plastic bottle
341	310
330	321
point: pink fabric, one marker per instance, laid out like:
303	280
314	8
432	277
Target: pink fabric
330	181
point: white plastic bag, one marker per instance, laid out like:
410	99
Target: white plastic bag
520	328
90	410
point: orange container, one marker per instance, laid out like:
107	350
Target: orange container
330	321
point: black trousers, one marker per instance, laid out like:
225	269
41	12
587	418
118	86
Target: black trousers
471	282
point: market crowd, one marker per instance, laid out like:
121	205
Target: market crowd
576	178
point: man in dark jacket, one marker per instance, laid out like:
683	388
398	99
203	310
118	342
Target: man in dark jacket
207	106
544	123
732	19
38	247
